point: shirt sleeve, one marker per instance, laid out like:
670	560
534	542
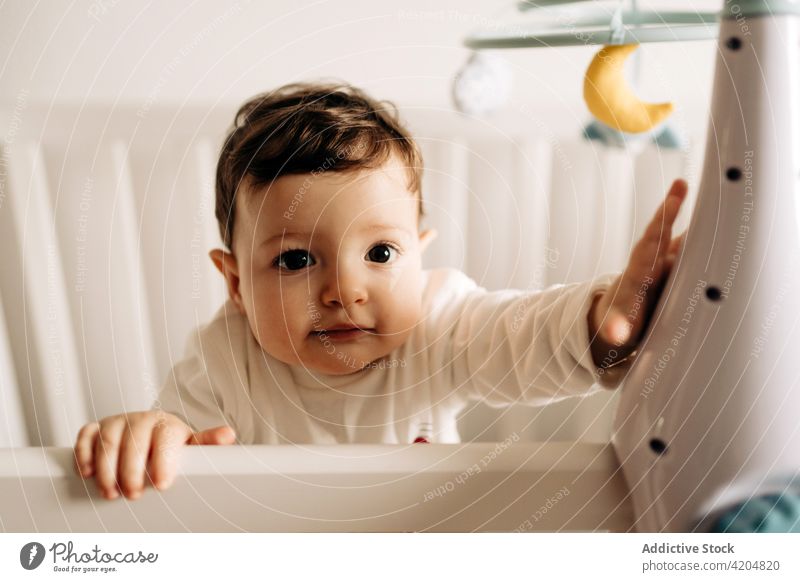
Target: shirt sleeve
515	346
192	390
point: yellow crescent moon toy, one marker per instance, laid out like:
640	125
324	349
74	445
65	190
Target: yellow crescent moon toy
611	100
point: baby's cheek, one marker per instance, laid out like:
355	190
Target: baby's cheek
410	315
278	341
274	322
405	301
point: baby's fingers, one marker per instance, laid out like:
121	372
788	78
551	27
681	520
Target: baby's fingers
221	435
84	449
646	262
659	231
106	454
675	197
168	438
134	451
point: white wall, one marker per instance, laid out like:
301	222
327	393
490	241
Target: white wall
207	52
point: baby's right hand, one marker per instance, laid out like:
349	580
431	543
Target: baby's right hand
122	450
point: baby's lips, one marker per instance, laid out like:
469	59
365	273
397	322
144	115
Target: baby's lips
334	331
341	327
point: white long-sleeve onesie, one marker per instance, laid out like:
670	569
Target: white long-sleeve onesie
501	347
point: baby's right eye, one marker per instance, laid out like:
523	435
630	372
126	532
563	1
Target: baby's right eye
294	260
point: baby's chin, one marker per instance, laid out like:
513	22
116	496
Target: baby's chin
341	370
317	360
324	356
341	364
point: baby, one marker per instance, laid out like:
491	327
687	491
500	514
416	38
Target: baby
333	332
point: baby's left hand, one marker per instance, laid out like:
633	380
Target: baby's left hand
619	317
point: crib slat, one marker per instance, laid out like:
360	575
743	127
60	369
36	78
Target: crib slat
209	290
45	338
176	187
531	180
445	194
494	219
574	207
129	307
613	224
12	433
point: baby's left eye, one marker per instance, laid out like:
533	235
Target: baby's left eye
382	253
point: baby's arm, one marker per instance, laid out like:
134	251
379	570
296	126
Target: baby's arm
528	347
120	451
536	347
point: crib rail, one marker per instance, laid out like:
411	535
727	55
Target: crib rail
555	486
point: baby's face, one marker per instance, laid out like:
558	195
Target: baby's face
329	266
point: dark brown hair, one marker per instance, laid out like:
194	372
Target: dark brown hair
302	127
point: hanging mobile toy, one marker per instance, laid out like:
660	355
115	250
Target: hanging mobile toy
611	100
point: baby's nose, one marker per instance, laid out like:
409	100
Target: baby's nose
345	288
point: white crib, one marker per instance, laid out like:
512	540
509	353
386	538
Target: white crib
106	219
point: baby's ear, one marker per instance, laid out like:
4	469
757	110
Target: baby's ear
226	263
426	237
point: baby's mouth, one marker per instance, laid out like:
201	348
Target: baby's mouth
343	333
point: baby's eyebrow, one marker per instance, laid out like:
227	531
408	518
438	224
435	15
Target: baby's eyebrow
370	228
287	234
374	227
